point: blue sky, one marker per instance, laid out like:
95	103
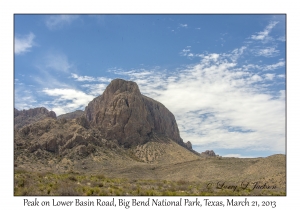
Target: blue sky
222	76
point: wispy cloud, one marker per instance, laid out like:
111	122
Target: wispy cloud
264	35
58	21
24	43
57	61
266	52
52	69
183	25
233	55
186	52
89	78
83	78
273	66
270	67
46	79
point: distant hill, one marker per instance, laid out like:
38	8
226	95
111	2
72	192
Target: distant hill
26	117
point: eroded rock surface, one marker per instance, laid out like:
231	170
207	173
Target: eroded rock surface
124	114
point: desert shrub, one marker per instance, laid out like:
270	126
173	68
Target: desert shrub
72	178
150	193
100	176
21	182
98	184
103	192
90	191
182	182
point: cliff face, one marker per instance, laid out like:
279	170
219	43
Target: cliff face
124	114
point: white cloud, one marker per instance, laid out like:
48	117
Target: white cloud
24	43
267	52
58	21
256	78
269	76
264	35
67	100
216	104
210	57
103	79
95	89
233	55
183	25
282	39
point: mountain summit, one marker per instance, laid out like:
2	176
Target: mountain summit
122	113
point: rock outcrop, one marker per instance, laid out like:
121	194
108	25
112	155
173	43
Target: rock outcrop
209	153
188	145
122	113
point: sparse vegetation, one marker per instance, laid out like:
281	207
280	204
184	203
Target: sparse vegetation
73	184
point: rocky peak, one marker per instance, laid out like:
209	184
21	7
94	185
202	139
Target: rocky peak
122	113
118	86
25	117
52	114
